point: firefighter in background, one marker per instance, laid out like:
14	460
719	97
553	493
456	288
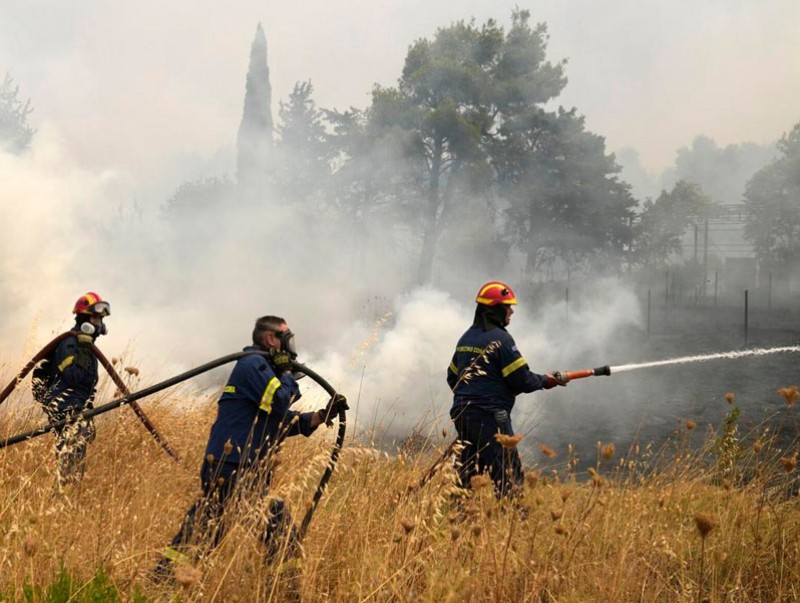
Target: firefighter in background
65	385
486	374
253	418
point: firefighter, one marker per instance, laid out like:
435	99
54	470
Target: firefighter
65	385
253	418
486	373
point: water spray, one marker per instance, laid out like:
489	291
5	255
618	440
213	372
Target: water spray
606	371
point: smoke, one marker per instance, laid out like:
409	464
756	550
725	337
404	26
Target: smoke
186	283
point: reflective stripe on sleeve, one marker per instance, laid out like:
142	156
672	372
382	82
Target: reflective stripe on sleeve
175	555
230	389
454	368
269	393
514	366
67	362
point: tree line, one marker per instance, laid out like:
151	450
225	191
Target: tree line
468	158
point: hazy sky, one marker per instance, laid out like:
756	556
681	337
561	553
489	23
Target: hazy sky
130	86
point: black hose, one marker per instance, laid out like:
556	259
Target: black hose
149	391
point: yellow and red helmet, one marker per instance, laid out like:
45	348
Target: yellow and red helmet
91	303
494	293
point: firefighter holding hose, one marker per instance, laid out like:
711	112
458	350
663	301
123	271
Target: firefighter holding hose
64	383
486	374
253	418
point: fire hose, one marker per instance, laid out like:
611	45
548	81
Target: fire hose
442	458
131	398
48	349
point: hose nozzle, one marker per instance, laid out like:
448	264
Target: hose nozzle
603	370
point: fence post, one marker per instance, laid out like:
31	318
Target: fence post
745	317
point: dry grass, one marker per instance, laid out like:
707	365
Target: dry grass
712	524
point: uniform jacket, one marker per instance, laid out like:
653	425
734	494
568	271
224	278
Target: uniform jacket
253	411
77	375
493	381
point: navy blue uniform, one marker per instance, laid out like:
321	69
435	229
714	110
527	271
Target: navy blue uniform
486	374
72	392
253	417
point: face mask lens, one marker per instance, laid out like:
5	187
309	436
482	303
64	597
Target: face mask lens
101	308
287	343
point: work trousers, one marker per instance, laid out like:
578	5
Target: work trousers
205	521
481	453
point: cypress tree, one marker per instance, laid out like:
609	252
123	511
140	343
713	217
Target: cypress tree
254	140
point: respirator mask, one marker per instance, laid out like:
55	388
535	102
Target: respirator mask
95	331
287	342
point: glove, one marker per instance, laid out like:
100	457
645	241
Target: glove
282	361
555	378
336	404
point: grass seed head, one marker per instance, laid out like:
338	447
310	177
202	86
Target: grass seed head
757	446
790	394
607	451
789	463
408	525
690	424
30	546
555	514
132	370
730	397
187	575
509	442
705	524
547	451
477	482
532	478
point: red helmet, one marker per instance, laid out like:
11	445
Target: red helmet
494	293
91	303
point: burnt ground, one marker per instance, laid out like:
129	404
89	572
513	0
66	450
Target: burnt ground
652	405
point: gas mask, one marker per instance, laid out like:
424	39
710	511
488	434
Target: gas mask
95	331
287	342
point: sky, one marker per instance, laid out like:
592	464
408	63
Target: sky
150	86
132	99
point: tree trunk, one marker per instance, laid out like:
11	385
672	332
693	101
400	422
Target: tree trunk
431	226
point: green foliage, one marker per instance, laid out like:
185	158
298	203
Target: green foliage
773	203
727	448
15	132
66	589
454	94
303	158
254	140
565	201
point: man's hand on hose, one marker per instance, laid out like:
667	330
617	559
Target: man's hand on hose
336	404
282	361
555	378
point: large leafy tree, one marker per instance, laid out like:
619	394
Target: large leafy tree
455	91
15	132
566	205
772	197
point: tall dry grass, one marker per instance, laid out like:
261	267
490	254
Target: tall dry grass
712	521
